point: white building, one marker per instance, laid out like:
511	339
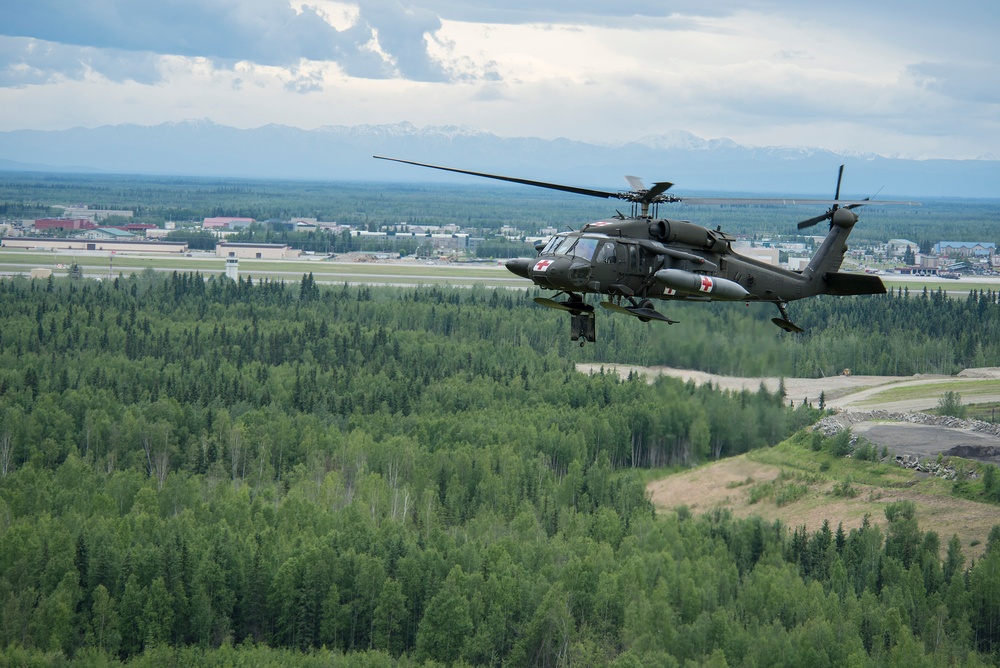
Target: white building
770	256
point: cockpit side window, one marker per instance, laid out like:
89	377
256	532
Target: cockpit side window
585	248
607	255
550	247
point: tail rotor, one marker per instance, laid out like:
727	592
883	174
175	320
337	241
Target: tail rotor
844	218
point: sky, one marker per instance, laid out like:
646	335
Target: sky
902	78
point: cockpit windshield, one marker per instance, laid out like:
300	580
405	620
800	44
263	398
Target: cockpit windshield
584	248
581	247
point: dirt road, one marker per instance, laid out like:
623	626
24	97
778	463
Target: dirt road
863	394
842	392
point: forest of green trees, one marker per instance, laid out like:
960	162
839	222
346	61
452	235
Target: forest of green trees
260	473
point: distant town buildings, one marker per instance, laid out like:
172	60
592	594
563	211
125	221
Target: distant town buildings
226	223
106	233
965	248
94	215
898	247
80	232
64	224
438	241
770	256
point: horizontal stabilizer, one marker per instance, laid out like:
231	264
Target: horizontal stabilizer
853	284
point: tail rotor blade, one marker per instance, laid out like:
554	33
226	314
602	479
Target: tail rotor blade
833	209
813	221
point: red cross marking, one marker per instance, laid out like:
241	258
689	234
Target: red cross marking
706	284
542	265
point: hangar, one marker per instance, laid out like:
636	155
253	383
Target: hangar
256	251
106	245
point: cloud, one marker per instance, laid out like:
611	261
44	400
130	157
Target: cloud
25	61
48	39
968	83
400	32
263	31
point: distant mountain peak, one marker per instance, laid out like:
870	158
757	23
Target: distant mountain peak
402	129
684	140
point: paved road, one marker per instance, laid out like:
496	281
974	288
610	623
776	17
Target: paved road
927	441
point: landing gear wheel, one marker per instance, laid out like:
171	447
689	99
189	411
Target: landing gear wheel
784	323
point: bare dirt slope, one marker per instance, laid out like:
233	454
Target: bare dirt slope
731	483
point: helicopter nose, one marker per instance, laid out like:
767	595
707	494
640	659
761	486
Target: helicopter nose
520	266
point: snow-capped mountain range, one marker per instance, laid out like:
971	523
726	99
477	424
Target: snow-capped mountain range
333	153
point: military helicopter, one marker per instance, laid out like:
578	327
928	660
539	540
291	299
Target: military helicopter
638	258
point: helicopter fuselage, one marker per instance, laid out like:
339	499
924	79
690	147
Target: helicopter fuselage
631	258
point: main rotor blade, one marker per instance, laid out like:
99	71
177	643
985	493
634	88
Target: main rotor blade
527	182
635	182
655	194
786	201
840	176
658	189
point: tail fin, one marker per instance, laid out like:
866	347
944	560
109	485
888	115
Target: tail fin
825	264
830	255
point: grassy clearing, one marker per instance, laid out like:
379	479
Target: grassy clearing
823	467
987	412
799	486
967	388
